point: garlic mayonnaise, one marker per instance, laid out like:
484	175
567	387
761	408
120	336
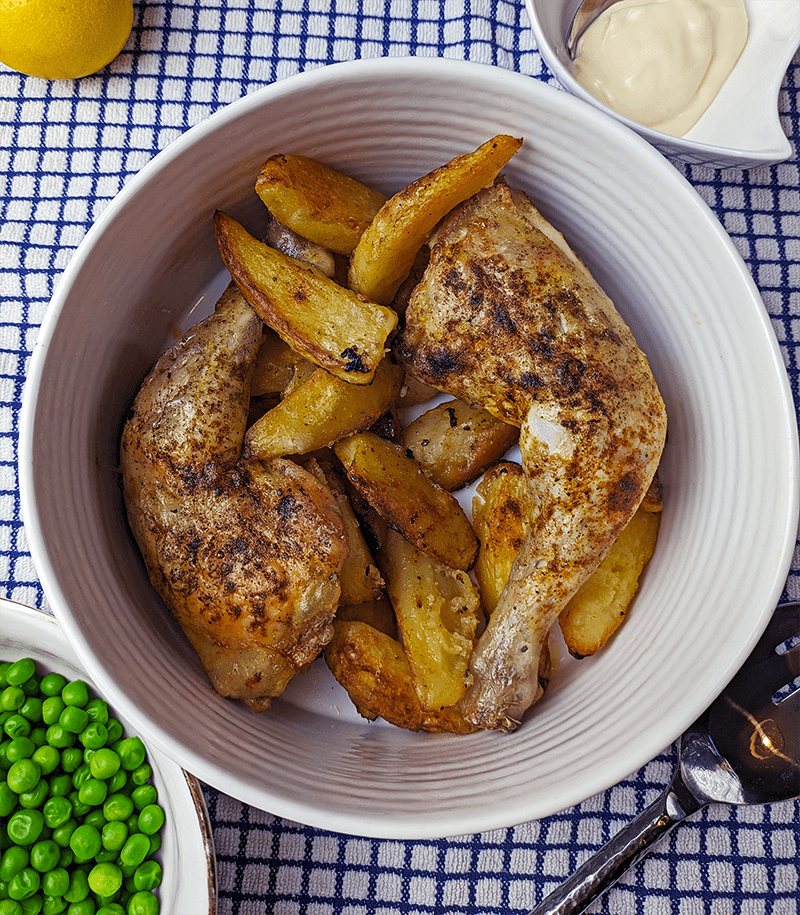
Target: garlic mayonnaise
661	62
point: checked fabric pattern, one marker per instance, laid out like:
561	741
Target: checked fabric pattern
67	148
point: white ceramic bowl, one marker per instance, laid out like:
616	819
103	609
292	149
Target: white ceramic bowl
742	127
729	471
187	850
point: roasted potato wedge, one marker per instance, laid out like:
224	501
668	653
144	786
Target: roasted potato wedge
599	608
359	578
438	612
320	412
455	443
394	484
317	317
500	513
373	668
386	251
317	201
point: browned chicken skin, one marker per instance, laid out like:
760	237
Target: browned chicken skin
509	318
245	555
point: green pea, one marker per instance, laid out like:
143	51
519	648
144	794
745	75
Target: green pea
80	775
20	671
114	835
32	905
60	785
84	907
132	752
52	707
78	807
10	907
105	763
55	882
54	905
143	903
110	908
115	731
47	757
17	726
144	795
63	833
96	818
13	861
51	684
85	842
71	759
25	826
4	665
118	781
98	710
12	698
24	884
32	709
60	737
93	792
118	807
36	796
105	879
20	748
78	886
135	849
39	736
45	855
73	719
76	693
23	775
142	775
8	800
148	875
155	842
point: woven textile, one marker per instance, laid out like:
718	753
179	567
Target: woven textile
66	148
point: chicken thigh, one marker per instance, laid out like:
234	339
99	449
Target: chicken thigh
246	556
508	317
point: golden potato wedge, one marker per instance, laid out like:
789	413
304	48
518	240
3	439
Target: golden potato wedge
397	488
454	442
320	412
500	517
438	611
319	319
317	201
599	608
359	578
386	251
373	668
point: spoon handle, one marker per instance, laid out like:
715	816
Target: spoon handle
628	846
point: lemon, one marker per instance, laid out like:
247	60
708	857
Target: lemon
62	39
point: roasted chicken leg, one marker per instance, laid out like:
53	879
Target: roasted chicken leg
245	555
507	317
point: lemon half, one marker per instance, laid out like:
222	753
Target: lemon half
63	39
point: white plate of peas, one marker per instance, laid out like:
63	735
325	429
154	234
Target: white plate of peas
92	820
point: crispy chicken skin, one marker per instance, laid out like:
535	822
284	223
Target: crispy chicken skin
245	555
508	317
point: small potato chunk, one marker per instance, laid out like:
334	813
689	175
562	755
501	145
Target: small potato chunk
599	608
276	366
379	613
317	201
284	239
500	516
320	412
438	610
394	484
454	443
319	319
385	253
359	578
373	668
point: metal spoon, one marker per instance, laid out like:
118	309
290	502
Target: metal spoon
584	16
744	750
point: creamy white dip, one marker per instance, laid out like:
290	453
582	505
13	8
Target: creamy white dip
661	62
